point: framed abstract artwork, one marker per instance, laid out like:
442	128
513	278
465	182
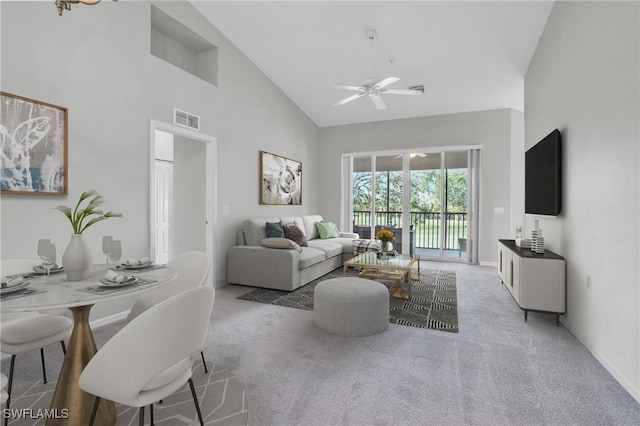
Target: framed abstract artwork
280	180
33	142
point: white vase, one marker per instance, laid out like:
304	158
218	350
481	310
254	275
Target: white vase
77	258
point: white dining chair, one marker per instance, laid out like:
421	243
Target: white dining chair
191	269
26	334
3	393
150	358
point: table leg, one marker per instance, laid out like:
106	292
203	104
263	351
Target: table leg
68	396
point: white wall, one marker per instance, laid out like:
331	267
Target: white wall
583	80
95	61
491	129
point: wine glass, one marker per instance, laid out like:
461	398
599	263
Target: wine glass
107	244
47	253
116	252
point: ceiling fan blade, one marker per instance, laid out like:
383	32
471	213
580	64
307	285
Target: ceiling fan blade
387	81
401	92
349	99
347	87
377	101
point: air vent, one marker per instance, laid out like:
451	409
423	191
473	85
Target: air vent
185	119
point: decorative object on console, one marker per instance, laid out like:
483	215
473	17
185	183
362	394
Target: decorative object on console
77	257
66	4
34	143
281	180
537	241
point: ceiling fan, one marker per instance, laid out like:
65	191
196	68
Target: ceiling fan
374	89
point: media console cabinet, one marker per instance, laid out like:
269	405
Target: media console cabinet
536	281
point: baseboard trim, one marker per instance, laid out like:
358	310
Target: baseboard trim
635	393
484	263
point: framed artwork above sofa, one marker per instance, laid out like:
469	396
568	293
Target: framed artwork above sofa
280	180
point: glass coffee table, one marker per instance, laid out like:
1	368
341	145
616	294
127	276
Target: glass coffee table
397	268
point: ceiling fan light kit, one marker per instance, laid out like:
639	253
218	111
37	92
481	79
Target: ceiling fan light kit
375	89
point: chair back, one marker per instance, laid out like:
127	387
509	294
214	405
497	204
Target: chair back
16	266
191	268
157	340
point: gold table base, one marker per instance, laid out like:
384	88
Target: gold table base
397	276
68	397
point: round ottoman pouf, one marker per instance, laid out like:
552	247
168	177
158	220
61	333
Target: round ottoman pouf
351	306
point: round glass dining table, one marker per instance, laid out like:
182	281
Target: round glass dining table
57	292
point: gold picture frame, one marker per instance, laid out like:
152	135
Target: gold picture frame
34	140
280	180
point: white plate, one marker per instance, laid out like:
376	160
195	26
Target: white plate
39	269
105	282
23	284
143	265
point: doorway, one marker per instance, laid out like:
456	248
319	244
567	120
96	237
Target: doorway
182	201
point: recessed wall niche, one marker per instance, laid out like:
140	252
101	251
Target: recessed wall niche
173	42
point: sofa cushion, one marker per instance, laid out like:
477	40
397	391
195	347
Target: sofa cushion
274	230
281	243
293	232
311	256
309	223
254	230
327	230
327	246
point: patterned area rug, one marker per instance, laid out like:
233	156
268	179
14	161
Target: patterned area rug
221	395
433	303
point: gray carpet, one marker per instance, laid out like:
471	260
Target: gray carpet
221	396
497	370
432	304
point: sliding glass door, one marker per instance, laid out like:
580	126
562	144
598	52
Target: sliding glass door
423	197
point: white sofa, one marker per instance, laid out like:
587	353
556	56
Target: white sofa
252	264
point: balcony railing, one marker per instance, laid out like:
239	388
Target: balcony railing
426	226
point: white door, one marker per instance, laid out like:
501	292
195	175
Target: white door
164	210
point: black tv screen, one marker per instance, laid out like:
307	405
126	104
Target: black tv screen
543	176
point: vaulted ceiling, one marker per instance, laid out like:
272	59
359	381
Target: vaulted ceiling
469	55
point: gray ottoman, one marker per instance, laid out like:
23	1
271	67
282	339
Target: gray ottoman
351	306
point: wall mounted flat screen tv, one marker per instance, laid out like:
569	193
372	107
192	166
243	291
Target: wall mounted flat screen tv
543	176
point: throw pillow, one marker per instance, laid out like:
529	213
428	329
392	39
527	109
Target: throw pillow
361	246
326	230
292	232
280	243
274	230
